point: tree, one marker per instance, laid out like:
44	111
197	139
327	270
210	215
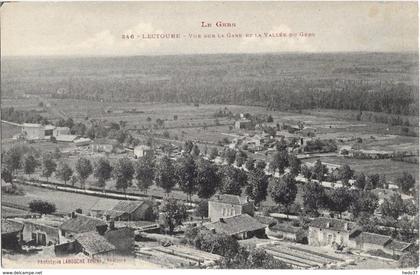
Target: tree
29	164
406	181
229	155
411	259
145	173
123	173
294	164
173	213
12	159
232	181
279	161
363	201
339	200
213	153
240	158
314	197
165	174
84	169
102	171
382	182
306	172
186	175
48	165
42	207
202	209
250	164
207	179
360	181
6	175
393	207
284	191
195	151
372	181
257	185
260	165
73	180
345	173
64	172
319	171
188	146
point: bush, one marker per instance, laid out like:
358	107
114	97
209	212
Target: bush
42	207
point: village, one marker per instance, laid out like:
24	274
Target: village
263	189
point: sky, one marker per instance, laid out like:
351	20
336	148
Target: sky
96	28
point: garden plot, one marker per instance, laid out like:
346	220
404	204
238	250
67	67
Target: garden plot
300	257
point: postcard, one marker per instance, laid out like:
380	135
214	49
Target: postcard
209	135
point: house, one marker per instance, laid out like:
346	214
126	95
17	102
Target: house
142	151
79	223
58	131
327	231
241	226
243	124
42	231
33	131
103	145
11	234
224	205
6	186
283	231
92	244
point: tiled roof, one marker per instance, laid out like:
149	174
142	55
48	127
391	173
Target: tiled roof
230	199
397	245
113	213
8	226
128	206
372	238
82	223
93	243
236	224
333	224
104	204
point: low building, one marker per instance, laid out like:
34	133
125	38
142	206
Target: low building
369	241
134	210
283	231
328	231
244	124
396	247
142	151
103	145
11	235
241	226
65	138
224	205
82	141
58	131
49	130
42	231
92	244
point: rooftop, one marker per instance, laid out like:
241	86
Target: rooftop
9	226
82	223
285	228
235	225
93	243
397	245
230	199
128	206
333	224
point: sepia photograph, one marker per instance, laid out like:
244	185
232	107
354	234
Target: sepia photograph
210	135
